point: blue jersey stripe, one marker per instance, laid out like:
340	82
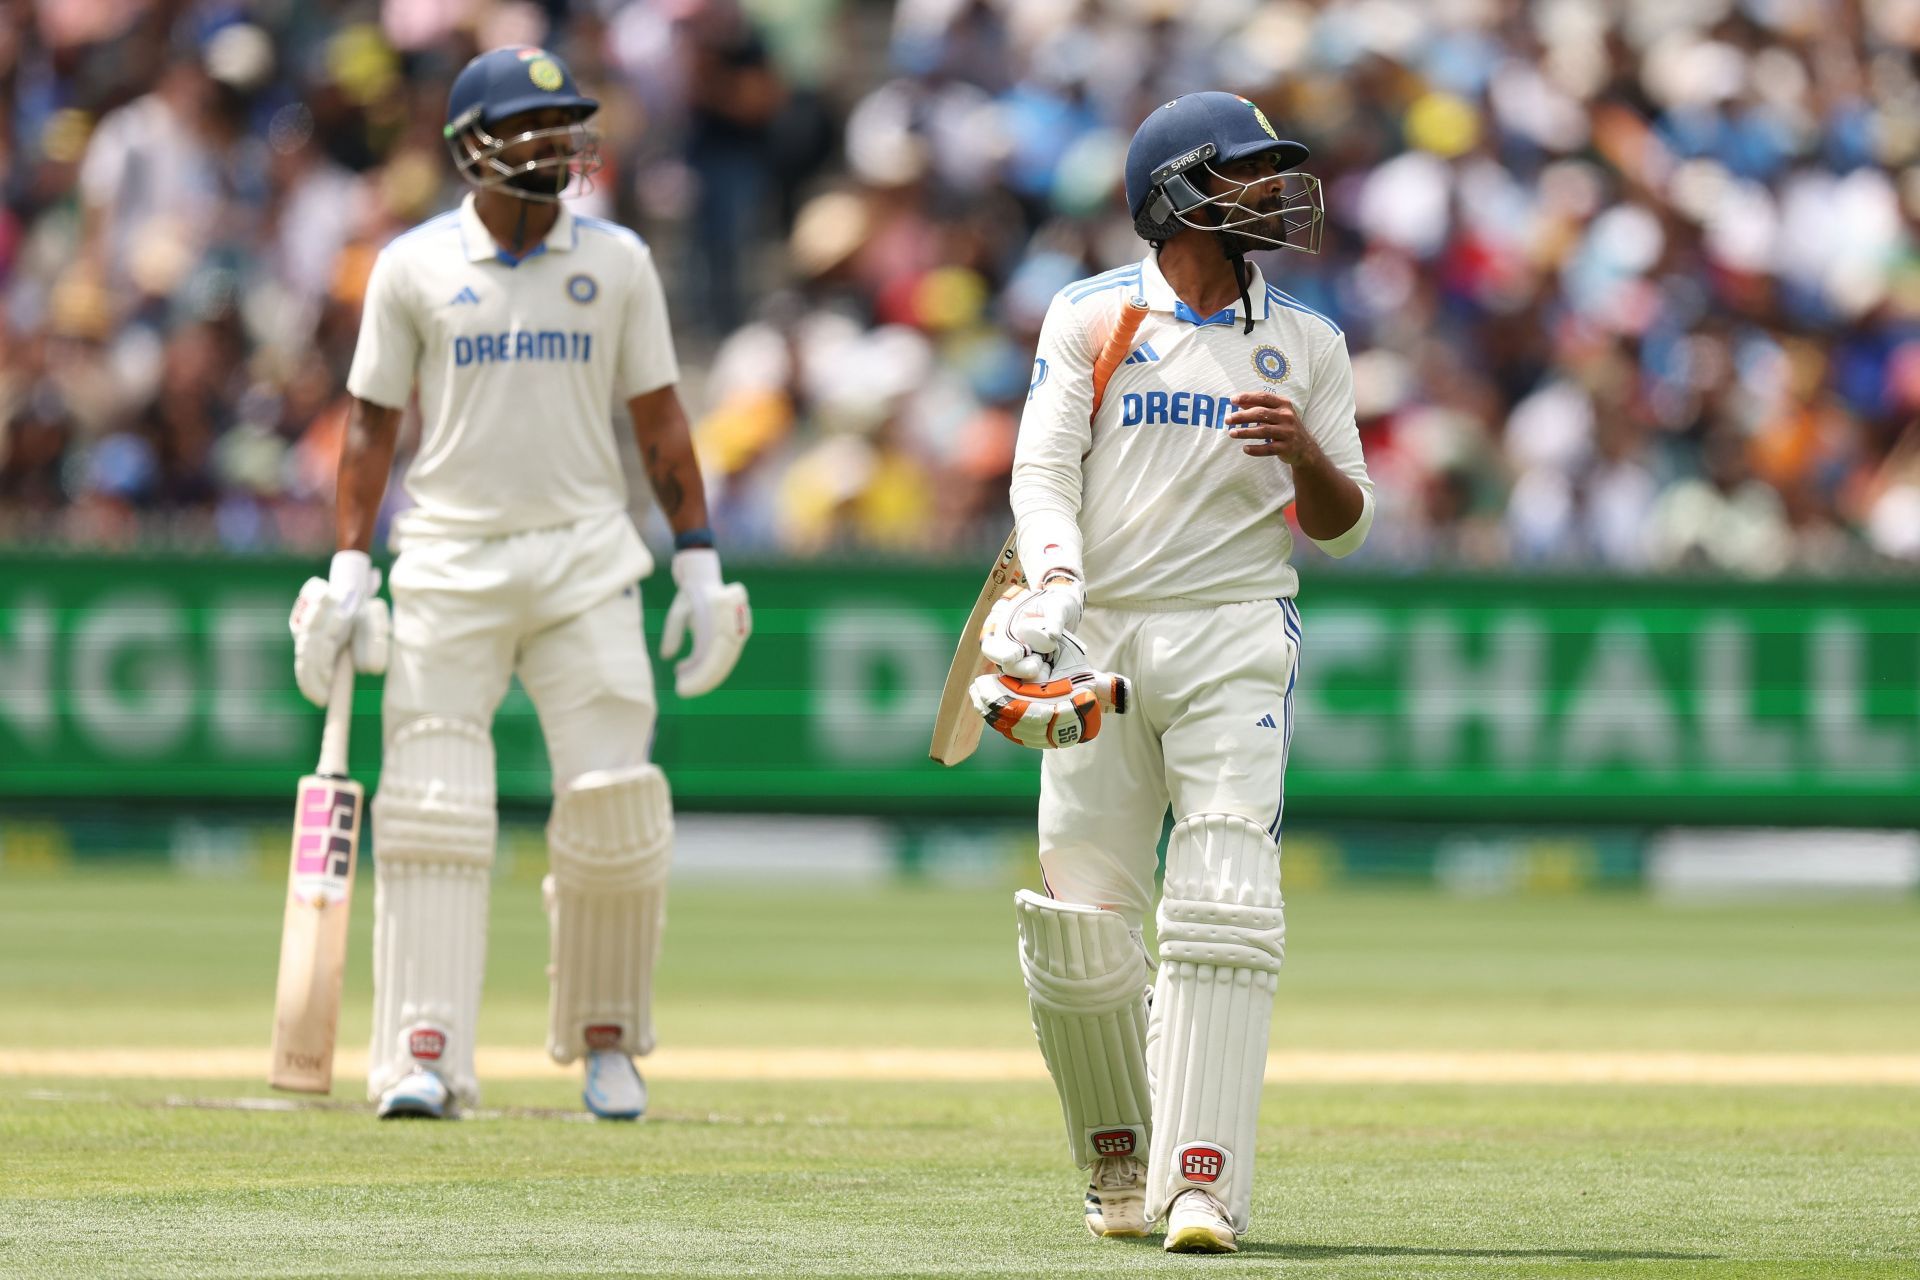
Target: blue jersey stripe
1108	274
439	222
1087	288
611	228
1115	279
1294	304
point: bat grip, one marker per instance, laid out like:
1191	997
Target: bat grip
333	738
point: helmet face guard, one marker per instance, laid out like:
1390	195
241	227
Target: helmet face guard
479	155
1299	221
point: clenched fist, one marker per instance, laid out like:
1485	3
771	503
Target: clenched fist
1026	625
333	612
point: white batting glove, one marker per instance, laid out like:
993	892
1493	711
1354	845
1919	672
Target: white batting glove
720	617
329	613
1025	626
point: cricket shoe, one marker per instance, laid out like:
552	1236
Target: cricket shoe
420	1095
1197	1223
1117	1197
614	1089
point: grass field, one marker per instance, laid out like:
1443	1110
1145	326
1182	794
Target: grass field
741	1172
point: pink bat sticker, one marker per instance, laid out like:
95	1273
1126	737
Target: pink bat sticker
326	824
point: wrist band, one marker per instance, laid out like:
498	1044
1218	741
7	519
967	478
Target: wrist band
693	539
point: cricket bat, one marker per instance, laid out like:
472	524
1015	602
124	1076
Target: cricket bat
956	729
313	938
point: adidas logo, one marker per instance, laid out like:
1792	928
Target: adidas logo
465	295
1265	722
1142	354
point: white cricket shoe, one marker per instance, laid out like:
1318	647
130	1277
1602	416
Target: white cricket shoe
1197	1223
419	1095
1117	1197
614	1089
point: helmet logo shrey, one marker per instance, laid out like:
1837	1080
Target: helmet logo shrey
545	74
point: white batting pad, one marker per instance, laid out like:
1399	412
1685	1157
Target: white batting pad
1087	985
609	842
1222	937
433	839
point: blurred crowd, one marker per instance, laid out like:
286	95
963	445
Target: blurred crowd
1628	285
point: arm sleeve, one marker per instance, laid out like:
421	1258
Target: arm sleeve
1055	433
647	362
1332	422
388	352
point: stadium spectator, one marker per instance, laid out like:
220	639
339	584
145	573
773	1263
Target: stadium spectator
1631	287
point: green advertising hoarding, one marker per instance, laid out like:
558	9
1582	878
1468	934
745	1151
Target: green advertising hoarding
1481	699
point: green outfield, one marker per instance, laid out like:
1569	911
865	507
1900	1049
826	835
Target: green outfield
891	1173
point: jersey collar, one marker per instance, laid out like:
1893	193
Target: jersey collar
1161	297
479	245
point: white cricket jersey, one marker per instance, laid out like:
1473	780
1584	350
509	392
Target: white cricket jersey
519	365
1168	509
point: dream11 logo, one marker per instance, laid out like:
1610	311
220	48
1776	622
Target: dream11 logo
323	843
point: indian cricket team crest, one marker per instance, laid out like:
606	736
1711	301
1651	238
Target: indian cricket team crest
1270	364
545	74
581	288
1261	116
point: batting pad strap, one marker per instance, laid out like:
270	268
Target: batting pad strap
1221	904
612	830
1077	959
1217	933
1086	975
435	803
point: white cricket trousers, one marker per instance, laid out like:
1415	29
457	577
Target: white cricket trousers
559	607
1209	734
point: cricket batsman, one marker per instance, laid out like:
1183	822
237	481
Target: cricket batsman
518	324
1154	536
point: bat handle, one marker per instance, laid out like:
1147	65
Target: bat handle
1114	691
333	738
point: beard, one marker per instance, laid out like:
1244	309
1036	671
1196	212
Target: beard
1253	237
550	180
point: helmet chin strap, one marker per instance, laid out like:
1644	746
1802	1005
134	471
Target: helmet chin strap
1242	276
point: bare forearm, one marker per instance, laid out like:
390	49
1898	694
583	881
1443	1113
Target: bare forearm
666	450
366	460
1326	500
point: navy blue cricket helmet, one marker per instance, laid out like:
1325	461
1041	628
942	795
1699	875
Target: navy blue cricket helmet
502	83
1180	138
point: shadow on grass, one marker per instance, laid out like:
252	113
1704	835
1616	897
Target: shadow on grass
1311	1252
1325	1252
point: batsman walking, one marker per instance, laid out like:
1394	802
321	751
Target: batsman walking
520	325
1153	531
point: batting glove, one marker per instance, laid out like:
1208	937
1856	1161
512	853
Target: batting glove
1059	710
719	616
332	612
1024	628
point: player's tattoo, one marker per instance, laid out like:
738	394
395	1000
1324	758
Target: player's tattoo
667	485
